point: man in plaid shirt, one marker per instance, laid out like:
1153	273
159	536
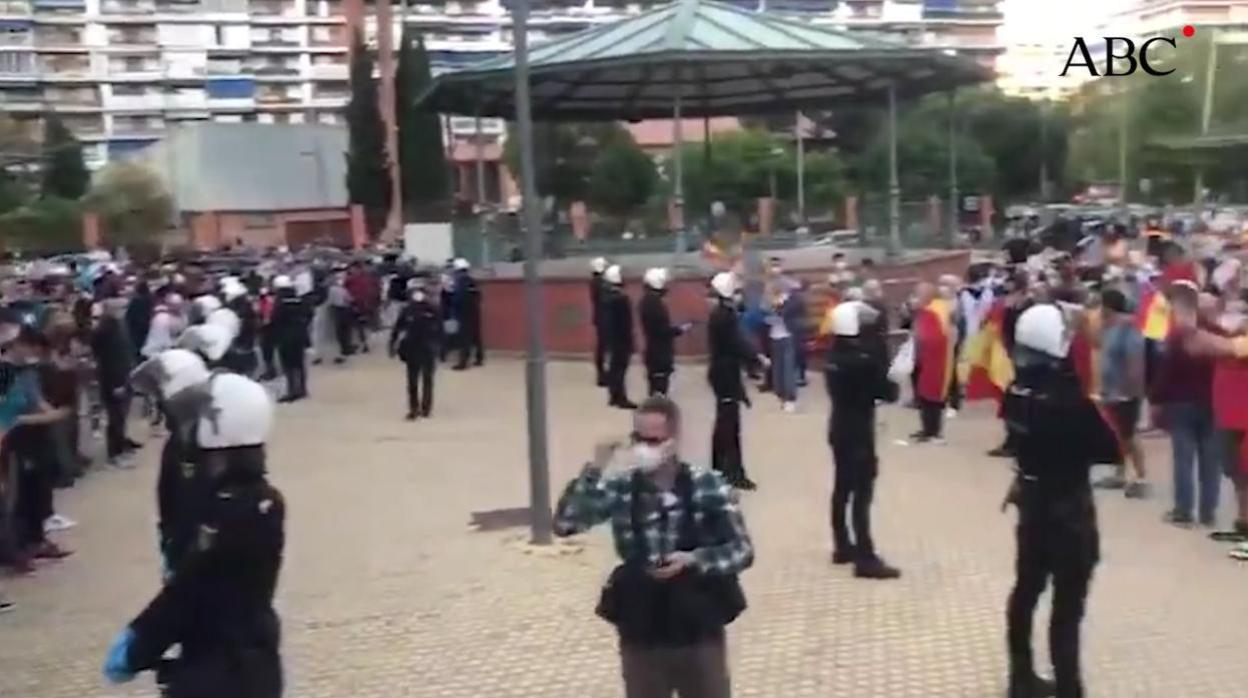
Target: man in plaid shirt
651	466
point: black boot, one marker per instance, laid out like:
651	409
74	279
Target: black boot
411	416
874	568
1028	685
844	556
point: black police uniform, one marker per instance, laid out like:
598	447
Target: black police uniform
467	297
660	353
597	291
218	602
291	319
855	376
618	326
1055	430
181	493
415	339
241	356
730	355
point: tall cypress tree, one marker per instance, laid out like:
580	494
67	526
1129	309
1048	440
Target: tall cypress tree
422	158
65	174
368	174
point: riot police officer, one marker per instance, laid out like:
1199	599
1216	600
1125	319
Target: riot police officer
415	339
856	378
291	320
618	322
1056	432
241	356
218	602
173	377
597	289
730	355
467	299
656	325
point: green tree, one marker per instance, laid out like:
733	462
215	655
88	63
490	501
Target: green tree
65	174
422	158
623	179
739	167
1019	135
133	205
564	156
47	225
368	173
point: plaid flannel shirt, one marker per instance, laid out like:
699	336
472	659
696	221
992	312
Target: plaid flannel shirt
591	499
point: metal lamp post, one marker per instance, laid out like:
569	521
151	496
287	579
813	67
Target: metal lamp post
535	359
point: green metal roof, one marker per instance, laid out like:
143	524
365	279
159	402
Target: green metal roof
718	58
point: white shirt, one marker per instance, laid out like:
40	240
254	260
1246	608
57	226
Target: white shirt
164	330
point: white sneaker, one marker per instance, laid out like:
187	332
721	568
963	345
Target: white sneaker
951	413
789	407
123	462
1239	552
56	522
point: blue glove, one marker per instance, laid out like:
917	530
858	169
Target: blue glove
117	663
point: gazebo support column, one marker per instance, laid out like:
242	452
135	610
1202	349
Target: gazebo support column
952	233
678	179
894	183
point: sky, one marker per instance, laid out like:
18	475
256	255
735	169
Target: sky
1051	19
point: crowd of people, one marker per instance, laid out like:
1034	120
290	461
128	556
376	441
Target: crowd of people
71	340
1083	349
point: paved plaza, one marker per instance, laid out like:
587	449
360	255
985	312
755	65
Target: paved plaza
388	591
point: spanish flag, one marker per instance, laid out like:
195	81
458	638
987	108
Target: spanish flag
985	367
720	257
1153	315
933	345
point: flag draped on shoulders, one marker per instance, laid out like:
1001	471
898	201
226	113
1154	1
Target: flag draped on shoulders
985	367
1152	317
933	343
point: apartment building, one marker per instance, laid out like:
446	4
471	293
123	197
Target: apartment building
118	71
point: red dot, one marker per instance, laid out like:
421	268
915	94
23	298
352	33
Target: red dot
1188	31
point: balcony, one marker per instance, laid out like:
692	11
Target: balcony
15	9
147	101
121	39
277	97
52	69
184	102
226	67
84	126
467	126
128	7
148	70
284	42
273	10
80	5
137	128
15	39
23	99
330	71
71	100
47	39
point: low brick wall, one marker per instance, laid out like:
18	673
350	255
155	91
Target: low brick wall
566	322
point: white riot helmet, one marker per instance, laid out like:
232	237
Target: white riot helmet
725	284
239	413
282	281
598	265
204	305
849	317
209	341
226	319
656	278
233	289
169	373
1043	328
461	264
613	275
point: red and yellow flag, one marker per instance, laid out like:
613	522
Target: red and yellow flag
985	367
1153	315
934	339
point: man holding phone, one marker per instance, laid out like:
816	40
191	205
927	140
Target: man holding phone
682	541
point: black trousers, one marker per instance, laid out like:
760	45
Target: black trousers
344	326
361	326
852	492
420	384
268	353
295	366
1057	540
659	379
470	343
617	372
931	418
600	358
116	410
726	434
34	496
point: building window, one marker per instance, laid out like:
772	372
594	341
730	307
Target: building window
258	221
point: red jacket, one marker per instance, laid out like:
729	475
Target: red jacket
365	290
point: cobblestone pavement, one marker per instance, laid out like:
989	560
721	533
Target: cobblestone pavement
388	591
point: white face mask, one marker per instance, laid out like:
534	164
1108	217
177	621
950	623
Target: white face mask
649	457
418	296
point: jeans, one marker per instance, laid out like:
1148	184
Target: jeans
1194	441
689	671
420	384
784	369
